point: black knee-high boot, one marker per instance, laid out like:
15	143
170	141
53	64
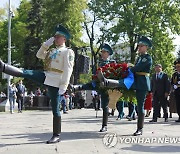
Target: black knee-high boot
107	82
140	124
105	120
56	130
11	70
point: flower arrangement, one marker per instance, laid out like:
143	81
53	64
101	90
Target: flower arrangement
115	71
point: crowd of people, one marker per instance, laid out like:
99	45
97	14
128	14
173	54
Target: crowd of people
161	95
58	68
20	95
17	94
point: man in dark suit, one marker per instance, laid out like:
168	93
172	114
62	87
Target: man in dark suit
20	95
160	89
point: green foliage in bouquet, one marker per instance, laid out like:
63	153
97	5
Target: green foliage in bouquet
128	96
117	71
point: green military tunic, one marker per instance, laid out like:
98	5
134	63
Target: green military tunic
93	85
141	79
142	82
142	65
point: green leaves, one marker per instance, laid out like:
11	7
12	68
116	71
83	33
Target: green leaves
68	13
150	18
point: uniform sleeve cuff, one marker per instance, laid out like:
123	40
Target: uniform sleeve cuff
45	46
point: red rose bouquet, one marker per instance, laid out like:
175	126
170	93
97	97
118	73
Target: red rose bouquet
115	71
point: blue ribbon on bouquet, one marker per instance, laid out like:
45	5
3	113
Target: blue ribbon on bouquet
129	80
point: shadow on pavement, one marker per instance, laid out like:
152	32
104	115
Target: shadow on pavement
40	138
154	149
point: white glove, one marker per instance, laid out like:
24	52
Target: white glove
175	87
61	91
49	42
178	82
130	65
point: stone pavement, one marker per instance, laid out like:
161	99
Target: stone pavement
27	132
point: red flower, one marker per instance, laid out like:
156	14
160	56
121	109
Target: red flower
99	69
113	71
112	64
116	66
107	74
107	65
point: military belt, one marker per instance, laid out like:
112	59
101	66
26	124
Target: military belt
143	73
54	70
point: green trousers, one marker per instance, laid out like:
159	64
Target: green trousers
39	77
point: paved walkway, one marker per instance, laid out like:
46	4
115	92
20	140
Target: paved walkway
27	132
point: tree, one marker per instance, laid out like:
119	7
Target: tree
143	17
18	34
162	51
33	40
34	22
2	14
94	39
66	12
178	52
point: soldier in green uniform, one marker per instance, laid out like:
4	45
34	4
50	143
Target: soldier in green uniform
106	51
59	66
141	81
175	82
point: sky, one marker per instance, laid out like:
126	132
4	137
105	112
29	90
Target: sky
15	4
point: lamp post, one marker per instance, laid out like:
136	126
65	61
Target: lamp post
9	45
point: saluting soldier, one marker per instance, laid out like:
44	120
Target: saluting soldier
106	51
175	82
58	69
141	81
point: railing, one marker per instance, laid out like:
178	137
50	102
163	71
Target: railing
37	101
